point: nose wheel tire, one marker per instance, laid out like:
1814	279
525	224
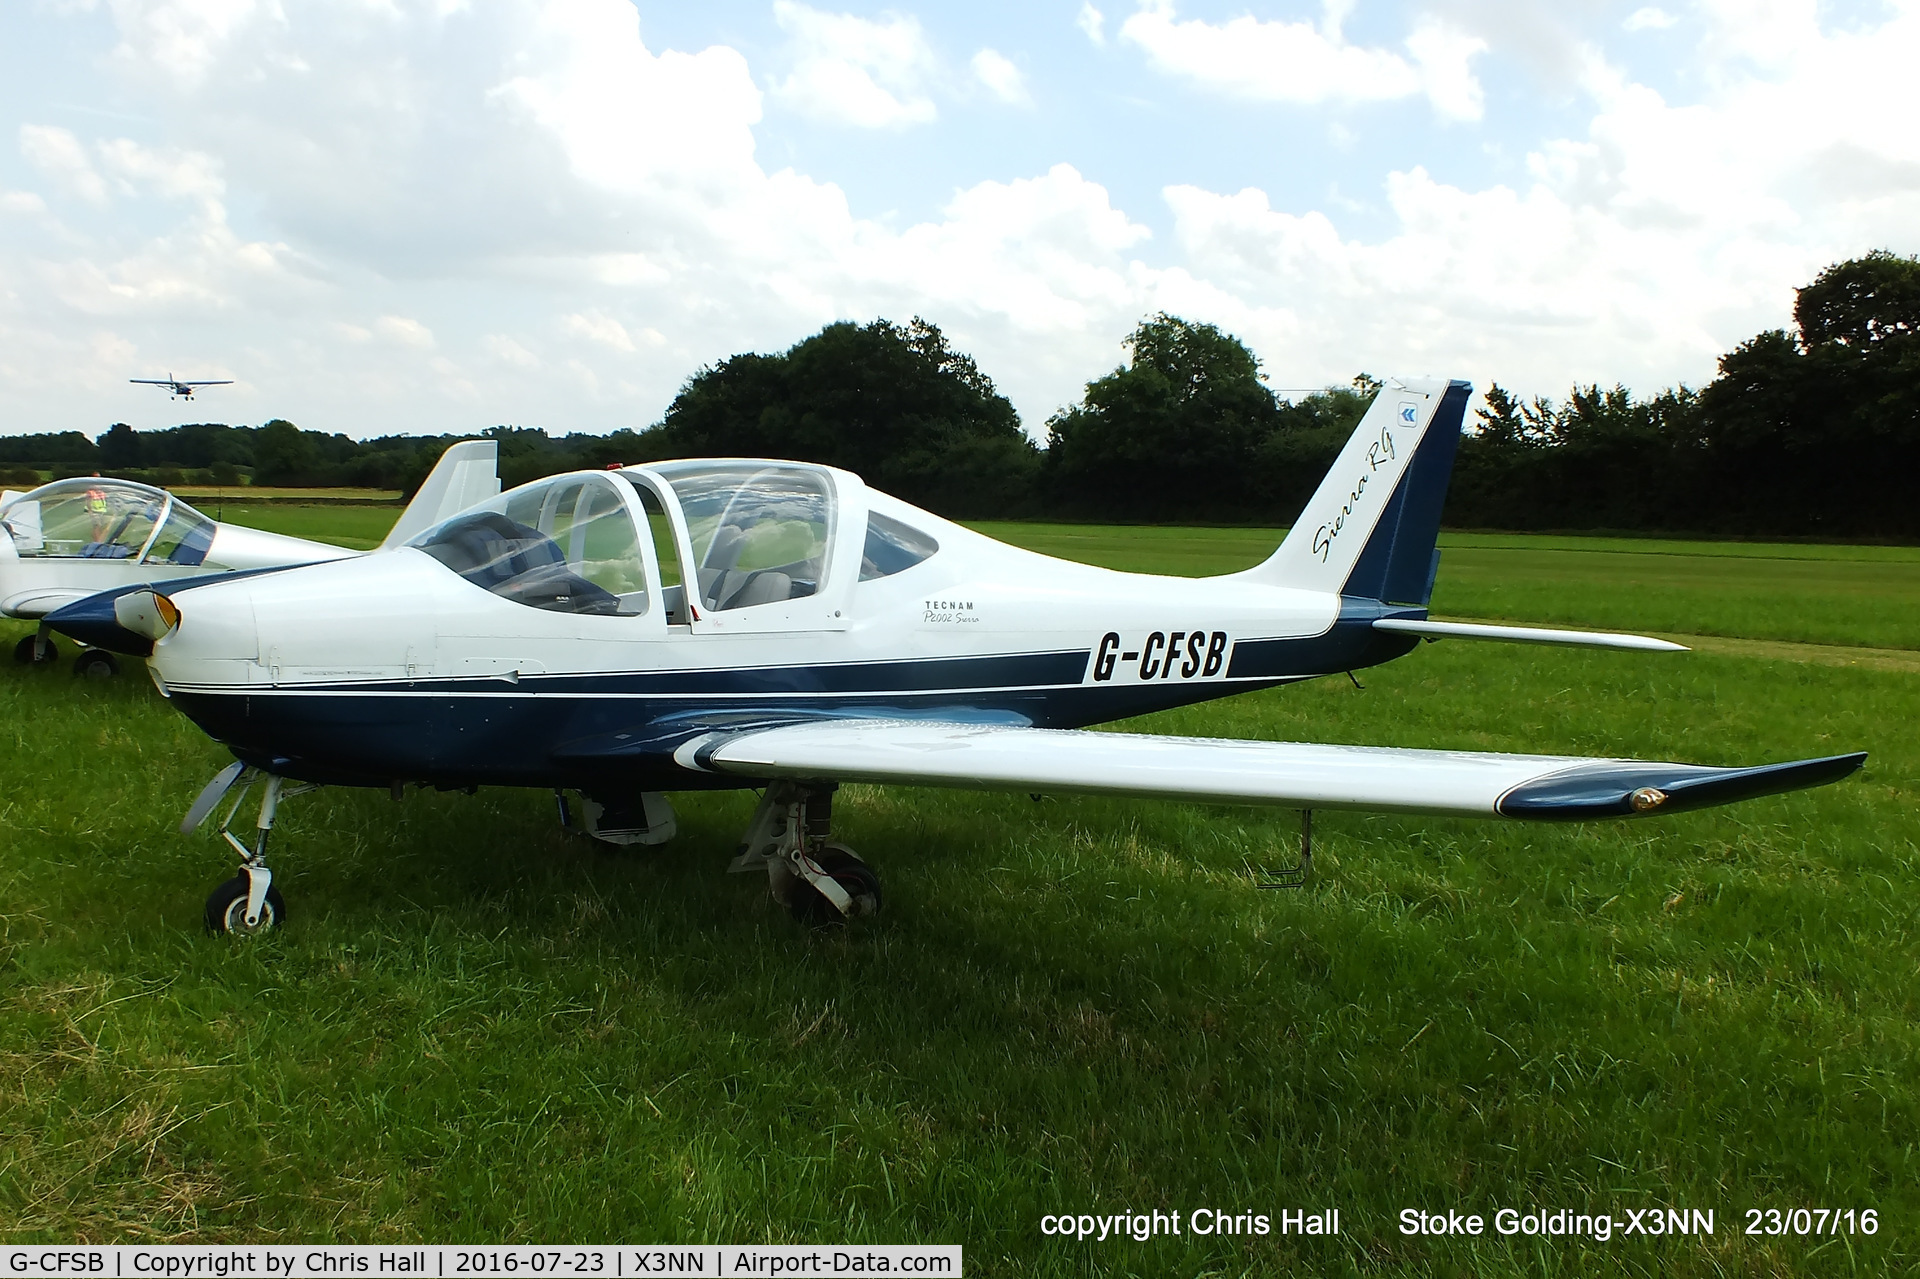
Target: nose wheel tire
96	663
811	907
227	909
33	651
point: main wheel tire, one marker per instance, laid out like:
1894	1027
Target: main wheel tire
808	905
26	653
227	909
96	663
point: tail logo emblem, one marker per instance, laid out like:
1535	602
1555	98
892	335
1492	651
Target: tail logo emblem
1409	414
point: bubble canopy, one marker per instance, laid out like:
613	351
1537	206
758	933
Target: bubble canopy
729	537
760	532
98	518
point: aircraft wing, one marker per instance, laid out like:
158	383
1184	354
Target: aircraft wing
38	601
1210	770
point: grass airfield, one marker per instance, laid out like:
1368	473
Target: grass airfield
477	1028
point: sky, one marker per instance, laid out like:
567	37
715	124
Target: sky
382	216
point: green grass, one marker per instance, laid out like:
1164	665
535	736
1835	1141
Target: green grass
359	527
198	493
478	1028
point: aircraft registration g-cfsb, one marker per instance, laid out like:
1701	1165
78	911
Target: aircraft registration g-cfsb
744	623
64	541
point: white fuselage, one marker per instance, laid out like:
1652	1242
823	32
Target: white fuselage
284	664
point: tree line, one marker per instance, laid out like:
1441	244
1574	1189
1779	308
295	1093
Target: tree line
1809	433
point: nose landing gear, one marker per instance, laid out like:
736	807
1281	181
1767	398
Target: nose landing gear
37	649
228	908
821	883
248	903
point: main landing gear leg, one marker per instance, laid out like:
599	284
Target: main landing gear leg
820	882
248	903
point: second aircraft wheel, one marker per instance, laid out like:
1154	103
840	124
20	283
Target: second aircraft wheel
96	663
227	909
810	907
26	653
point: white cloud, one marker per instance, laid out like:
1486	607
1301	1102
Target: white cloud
1092	22
58	154
557	176
1649	19
1002	79
1445	58
1295	62
521	212
181	39
869	73
500	347
1772	33
598	326
183	175
1640	251
404	331
631	120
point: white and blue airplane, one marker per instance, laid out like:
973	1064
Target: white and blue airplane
64	541
178	388
733	623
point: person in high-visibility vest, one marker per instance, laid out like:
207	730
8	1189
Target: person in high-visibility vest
98	510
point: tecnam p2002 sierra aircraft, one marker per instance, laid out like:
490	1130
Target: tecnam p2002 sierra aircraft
74	538
745	623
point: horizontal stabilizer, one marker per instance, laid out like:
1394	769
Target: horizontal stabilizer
1212	770
1525	635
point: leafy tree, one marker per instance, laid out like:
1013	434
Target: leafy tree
892	402
282	454
1172	434
120	448
1861	303
61	452
1821	435
1601	460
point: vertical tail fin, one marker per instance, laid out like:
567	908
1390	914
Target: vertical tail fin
468	472
1370	528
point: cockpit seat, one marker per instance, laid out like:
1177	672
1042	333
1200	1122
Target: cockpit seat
768	586
718	579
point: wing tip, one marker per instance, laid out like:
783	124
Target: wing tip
1628	788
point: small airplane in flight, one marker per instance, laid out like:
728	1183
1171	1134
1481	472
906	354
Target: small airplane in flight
181	390
72	538
741	623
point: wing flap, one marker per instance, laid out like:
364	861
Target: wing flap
1210	770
